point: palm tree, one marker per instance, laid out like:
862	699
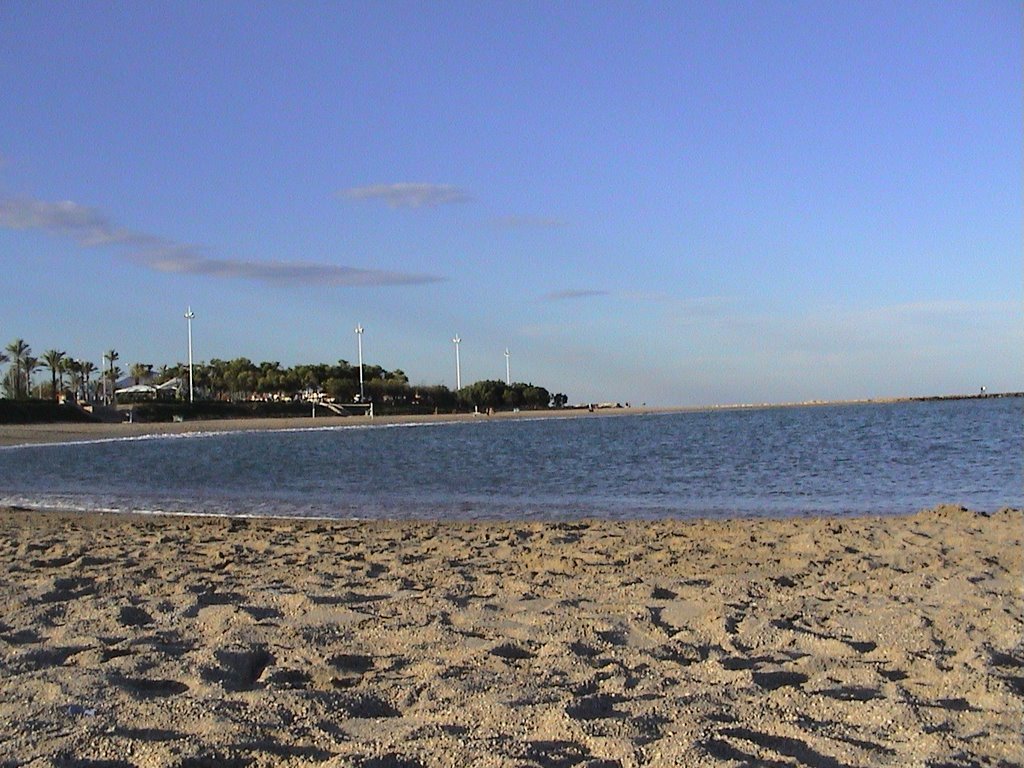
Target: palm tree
75	375
111	356
19	353
31	366
53	359
65	367
87	370
140	371
113	374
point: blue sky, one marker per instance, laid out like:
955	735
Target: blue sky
670	203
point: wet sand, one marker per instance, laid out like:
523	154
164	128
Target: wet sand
161	641
26	434
18	434
63	432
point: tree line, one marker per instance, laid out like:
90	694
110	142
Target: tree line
243	380
17	383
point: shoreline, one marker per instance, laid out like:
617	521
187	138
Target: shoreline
160	641
15	435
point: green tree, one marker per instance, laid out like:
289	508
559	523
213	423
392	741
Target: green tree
20	353
140	371
74	369
65	368
10	383
217	378
488	393
109	379
342	390
438	397
513	396
113	374
202	379
54	359
268	379
87	369
31	366
536	397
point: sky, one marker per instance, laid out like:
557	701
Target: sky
670	203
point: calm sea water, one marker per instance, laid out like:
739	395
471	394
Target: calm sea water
887	459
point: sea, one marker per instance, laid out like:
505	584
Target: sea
887	459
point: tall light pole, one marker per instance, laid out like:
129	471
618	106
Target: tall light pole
508	370
189	317
359	336
458	366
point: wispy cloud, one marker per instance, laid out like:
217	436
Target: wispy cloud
573	293
86	226
409	195
89	227
529	222
183	259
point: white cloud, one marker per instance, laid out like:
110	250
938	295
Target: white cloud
409	195
89	227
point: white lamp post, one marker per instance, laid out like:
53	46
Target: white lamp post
359	336
189	316
508	370
458	366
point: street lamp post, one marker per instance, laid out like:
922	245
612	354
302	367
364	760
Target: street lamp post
508	370
189	317
458	366
359	336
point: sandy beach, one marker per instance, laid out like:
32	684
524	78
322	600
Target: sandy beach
62	432
178	641
65	432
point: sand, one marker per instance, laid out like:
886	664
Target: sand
64	432
163	641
